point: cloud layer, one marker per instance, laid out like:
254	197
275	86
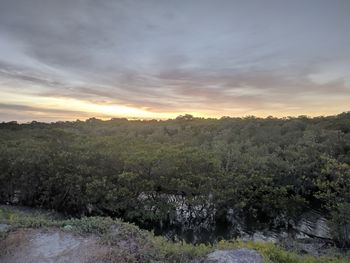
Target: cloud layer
163	58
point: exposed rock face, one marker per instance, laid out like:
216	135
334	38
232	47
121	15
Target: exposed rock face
313	224
199	209
4	228
39	246
234	256
190	218
195	221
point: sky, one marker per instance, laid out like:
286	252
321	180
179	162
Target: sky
157	59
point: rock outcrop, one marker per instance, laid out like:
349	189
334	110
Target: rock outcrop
4	228
52	246
242	255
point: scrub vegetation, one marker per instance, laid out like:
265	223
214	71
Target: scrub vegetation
262	168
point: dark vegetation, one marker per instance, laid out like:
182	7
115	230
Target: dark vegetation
262	168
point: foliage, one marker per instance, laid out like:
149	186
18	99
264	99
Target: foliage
263	168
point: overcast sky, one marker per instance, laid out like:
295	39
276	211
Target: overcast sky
69	59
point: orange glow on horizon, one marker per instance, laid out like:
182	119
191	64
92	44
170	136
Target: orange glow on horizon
62	108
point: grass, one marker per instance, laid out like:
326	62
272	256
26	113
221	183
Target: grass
131	244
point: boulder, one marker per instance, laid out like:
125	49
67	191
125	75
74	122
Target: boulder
4	228
313	224
242	255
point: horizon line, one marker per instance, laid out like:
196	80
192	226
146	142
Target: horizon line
187	117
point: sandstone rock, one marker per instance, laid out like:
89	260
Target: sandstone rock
4	228
242	255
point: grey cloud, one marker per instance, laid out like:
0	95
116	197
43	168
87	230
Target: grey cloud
169	55
17	75
22	113
36	109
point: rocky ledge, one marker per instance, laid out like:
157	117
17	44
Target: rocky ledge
234	256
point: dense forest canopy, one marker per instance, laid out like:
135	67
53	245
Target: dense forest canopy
263	168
